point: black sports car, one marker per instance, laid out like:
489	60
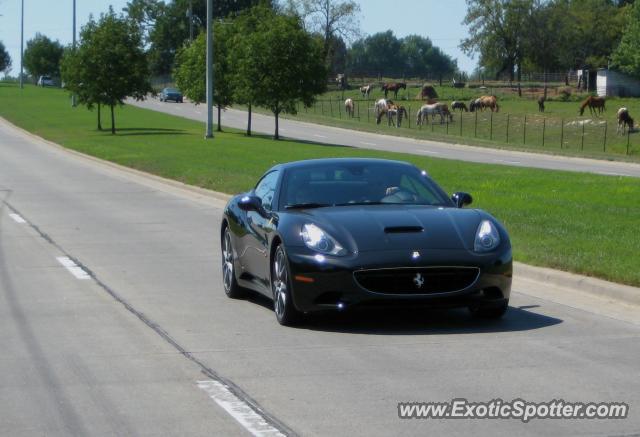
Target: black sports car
331	234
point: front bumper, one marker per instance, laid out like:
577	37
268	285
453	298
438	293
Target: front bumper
326	283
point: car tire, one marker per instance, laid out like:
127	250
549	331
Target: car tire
490	312
229	281
286	312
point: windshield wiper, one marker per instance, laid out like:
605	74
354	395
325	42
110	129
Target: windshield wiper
362	203
307	205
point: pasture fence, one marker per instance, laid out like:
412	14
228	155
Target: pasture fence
589	135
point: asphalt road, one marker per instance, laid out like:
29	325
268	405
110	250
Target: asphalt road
114	338
345	137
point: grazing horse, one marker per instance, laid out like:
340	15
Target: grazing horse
459	105
394	87
490	102
366	90
399	111
380	108
348	107
624	119
475	105
435	108
594	103
541	100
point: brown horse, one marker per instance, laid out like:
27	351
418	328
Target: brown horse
394	87
490	102
595	104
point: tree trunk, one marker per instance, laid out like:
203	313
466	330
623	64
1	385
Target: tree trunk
113	121
249	122
219	129
99	118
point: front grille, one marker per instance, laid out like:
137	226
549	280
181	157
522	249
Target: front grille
421	280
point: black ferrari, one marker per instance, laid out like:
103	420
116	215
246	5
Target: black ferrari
335	234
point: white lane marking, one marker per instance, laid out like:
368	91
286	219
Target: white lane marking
368	144
238	409
73	268
17	218
507	161
319	136
430	152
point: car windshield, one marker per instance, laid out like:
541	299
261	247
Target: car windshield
171	90
360	183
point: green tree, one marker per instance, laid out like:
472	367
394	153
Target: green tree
626	57
190	71
276	64
166	25
42	56
109	64
5	59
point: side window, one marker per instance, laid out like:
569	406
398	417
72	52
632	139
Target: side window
266	189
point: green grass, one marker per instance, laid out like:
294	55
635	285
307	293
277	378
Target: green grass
570	221
558	131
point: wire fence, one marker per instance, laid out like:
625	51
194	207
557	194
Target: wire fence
580	134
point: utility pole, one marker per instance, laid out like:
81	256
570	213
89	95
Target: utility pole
21	43
209	133
190	20
73	96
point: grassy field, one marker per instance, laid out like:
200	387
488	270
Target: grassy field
570	221
518	124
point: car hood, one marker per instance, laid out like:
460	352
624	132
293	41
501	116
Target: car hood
394	227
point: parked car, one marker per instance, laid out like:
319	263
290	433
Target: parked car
332	234
45	81
170	94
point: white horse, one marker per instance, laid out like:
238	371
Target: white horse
380	108
365	90
432	109
624	120
348	107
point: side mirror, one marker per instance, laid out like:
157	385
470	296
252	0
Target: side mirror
251	202
461	199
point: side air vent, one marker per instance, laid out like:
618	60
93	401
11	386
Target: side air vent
403	229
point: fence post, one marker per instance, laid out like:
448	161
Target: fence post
447	126
544	127
582	140
368	112
628	138
604	143
339	110
524	131
409	117
491	127
331	106
358	106
508	128
322	106
461	123
475	128
562	133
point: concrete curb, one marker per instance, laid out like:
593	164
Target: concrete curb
582	284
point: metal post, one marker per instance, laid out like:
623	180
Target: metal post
628	138
322	106
491	127
582	140
524	131
331	106
209	133
508	128
21	43
461	123
604	143
475	129
409	117
73	96
562	133
544	126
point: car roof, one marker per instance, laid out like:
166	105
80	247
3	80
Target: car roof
336	161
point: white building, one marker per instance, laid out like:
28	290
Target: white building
614	84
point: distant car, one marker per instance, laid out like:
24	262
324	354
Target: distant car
332	234
170	94
45	81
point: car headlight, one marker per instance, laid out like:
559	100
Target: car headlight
487	237
318	240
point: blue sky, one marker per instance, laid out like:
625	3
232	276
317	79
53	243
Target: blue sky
436	19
